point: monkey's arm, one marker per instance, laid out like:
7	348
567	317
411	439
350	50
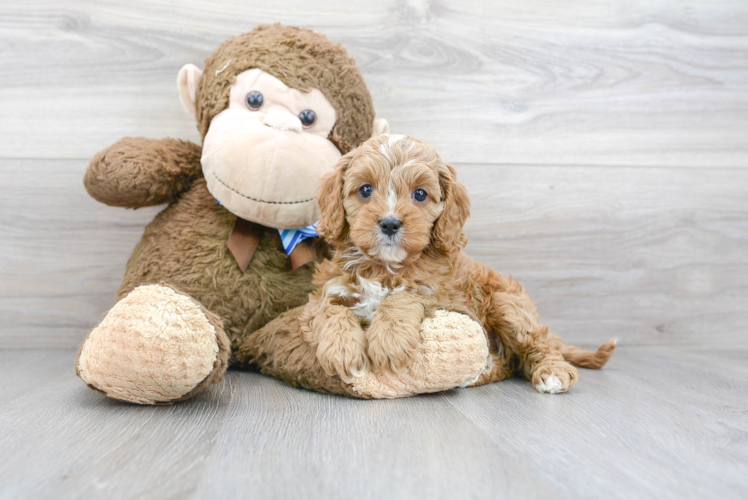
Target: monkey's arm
138	172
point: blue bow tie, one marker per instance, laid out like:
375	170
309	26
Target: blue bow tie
292	237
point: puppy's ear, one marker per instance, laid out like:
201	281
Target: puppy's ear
332	224
447	234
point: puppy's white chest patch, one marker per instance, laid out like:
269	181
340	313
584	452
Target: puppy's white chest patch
369	295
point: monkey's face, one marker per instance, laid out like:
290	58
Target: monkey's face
264	155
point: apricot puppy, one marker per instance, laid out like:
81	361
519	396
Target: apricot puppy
395	213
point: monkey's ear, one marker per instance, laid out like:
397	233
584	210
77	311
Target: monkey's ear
380	127
187	82
332	224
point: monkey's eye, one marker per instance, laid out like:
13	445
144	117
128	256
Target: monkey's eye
255	100
420	195
307	117
365	191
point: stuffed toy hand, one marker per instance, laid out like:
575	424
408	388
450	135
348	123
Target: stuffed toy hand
235	247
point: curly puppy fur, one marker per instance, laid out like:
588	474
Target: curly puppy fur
375	292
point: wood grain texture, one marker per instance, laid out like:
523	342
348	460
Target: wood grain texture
659	83
658	422
62	254
646	252
653	255
642	254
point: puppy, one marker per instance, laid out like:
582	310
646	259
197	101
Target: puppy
395	213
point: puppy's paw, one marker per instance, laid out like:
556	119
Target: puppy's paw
553	377
392	349
550	385
341	355
451	353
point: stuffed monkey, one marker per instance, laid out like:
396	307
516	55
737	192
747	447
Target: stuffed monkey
235	246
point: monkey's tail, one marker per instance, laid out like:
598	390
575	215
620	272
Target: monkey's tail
583	358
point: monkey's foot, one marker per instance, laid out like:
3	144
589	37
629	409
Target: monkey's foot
155	346
452	353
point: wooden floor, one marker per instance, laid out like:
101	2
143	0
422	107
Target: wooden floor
658	422
605	148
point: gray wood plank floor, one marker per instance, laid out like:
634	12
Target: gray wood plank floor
658	422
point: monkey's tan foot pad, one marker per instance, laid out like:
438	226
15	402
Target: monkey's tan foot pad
453	352
155	346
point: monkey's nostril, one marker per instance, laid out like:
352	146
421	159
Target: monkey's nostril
282	121
390	226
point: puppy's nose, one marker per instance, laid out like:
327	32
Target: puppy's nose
389	226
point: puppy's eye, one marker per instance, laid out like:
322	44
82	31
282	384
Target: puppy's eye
307	117
420	195
365	191
255	100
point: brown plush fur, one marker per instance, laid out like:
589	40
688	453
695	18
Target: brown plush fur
139	172
423	264
185	245
303	60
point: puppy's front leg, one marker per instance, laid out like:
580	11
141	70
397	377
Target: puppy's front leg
395	331
339	338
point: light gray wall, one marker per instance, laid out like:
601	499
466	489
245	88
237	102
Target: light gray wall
605	147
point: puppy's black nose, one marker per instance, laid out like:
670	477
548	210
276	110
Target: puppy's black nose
389	226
